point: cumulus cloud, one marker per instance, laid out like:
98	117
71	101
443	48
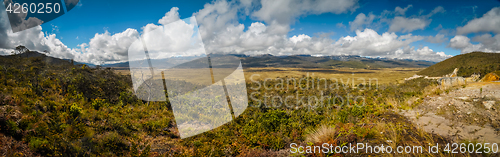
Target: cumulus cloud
423	53
222	33
299	38
361	21
170	16
489	22
439	38
365	43
370	43
33	39
215	17
172	37
397	20
409	24
487	43
404	24
285	11
108	48
459	42
178	38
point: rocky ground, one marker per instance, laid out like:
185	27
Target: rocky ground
470	112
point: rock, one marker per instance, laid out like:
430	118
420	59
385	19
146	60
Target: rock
488	104
490	77
413	77
446	82
464	98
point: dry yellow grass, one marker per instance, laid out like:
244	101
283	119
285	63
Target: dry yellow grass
196	76
323	133
384	76
387	75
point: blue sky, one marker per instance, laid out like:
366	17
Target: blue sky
79	26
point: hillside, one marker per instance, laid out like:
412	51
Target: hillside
44	58
468	64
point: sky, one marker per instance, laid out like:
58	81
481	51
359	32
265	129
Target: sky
100	32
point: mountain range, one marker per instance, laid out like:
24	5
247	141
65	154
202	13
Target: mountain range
306	61
294	61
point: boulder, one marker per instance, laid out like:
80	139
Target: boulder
451	81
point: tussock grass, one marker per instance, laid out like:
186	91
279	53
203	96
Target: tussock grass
321	134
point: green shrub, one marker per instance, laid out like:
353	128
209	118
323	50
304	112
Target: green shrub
98	103
39	144
74	110
273	119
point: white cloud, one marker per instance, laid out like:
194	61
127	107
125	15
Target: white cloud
361	21
409	24
459	42
216	17
402	11
487	43
398	23
279	14
439	38
257	28
221	33
493	42
108	48
33	39
404	24
170	16
370	43
490	22
299	38
438	9
423	53
285	11
365	43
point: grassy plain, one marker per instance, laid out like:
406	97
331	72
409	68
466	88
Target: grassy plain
383	75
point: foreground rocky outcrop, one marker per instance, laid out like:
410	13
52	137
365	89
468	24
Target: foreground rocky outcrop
469	113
